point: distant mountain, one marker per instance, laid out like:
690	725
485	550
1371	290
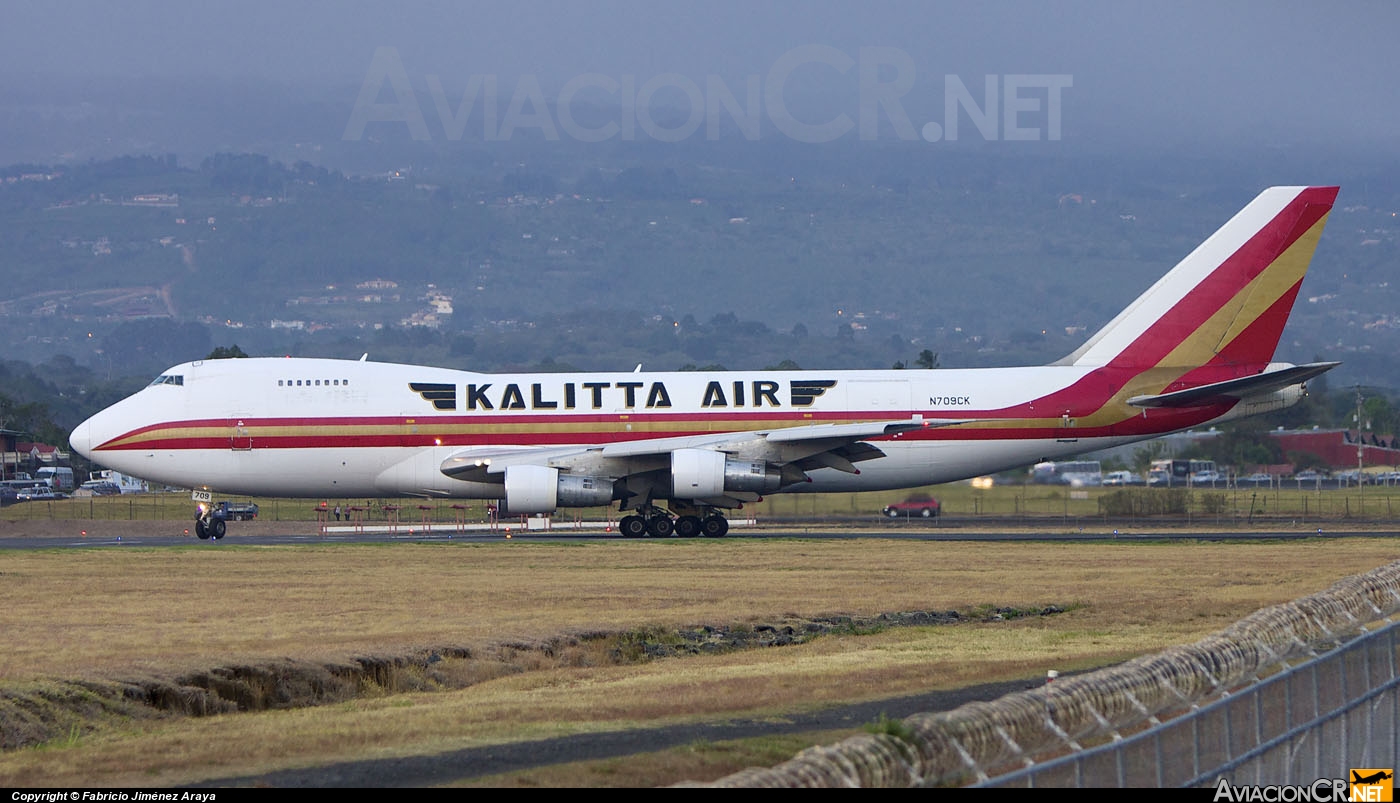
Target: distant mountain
854	254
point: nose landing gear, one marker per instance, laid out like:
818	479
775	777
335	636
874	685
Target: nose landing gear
207	525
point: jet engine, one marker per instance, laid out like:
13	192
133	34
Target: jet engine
704	473
542	489
1267	403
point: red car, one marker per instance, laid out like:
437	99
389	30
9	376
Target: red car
926	508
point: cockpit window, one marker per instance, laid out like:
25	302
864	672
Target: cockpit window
168	379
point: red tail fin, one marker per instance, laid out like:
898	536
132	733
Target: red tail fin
1226	303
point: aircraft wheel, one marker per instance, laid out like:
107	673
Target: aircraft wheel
200	530
217	528
715	526
632	526
661	526
688	526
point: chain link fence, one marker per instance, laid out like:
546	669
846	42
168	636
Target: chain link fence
1290	694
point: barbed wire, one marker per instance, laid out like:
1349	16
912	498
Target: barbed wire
976	740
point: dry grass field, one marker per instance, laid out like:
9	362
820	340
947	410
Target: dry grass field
524	641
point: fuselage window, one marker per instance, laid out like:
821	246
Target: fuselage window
279	383
298	383
318	383
346	381
337	382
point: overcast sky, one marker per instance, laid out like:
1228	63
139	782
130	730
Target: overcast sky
1266	71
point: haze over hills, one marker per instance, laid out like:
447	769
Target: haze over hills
595	188
830	255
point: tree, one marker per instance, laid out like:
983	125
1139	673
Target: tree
1149	451
461	345
1247	443
927	359
1306	460
226	353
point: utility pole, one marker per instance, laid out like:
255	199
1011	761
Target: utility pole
1360	439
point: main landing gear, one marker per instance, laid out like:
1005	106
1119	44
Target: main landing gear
657	523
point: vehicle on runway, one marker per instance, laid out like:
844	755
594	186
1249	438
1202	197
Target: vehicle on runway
676	450
1120	478
911	508
98	488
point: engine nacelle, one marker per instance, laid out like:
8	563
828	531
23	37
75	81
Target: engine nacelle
542	489
703	473
1267	403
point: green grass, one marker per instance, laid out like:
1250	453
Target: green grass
960	501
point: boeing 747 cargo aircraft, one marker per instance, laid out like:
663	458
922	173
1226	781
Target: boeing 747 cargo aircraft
676	450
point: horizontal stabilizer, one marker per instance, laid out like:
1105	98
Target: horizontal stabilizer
1235	389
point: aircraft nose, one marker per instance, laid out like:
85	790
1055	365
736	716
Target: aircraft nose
81	439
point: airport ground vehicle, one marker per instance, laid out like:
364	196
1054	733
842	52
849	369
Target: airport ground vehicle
1122	478
100	488
1206	477
40	493
235	511
1075	473
60	478
1183	472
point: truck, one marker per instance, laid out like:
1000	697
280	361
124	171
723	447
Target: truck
236	511
1182	472
59	478
126	483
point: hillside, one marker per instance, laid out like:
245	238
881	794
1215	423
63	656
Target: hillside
696	258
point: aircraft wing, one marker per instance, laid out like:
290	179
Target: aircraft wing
812	446
1234	389
846	433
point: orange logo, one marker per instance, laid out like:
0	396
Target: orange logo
1373	785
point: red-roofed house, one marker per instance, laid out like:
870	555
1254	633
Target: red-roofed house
41	453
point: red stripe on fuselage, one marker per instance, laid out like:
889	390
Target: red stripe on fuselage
1157	421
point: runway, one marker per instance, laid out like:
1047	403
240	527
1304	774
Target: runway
161	535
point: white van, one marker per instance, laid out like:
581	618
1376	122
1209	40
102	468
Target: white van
1120	478
59	478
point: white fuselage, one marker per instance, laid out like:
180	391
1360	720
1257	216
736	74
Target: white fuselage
335	428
